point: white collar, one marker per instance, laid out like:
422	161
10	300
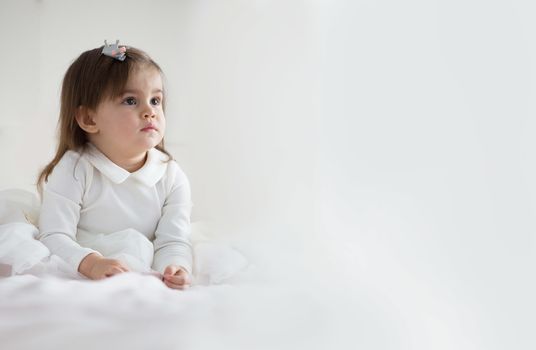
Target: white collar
149	174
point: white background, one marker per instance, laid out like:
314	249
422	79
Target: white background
384	147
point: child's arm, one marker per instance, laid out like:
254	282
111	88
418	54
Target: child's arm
172	244
60	209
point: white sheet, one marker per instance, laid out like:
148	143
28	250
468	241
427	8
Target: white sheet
133	311
232	304
283	303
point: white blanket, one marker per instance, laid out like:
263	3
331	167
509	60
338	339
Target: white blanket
283	303
44	305
133	311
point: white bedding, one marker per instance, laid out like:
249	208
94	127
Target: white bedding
326	301
133	311
43	303
232	304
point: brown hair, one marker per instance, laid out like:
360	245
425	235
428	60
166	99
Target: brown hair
92	78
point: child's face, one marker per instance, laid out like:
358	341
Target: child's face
134	122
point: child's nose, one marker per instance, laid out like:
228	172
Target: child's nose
149	112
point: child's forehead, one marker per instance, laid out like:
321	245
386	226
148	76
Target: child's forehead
144	77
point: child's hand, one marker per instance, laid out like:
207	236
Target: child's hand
176	277
97	267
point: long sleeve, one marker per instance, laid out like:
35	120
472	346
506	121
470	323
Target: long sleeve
172	244
60	209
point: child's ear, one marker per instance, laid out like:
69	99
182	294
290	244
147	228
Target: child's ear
84	118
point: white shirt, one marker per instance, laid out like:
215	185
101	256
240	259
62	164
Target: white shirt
90	204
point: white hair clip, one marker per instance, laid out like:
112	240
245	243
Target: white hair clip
114	51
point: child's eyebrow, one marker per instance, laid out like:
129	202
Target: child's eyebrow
134	91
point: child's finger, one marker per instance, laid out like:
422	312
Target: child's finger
119	268
170	270
185	276
175	279
122	266
113	271
176	286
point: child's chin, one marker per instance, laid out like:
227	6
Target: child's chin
148	144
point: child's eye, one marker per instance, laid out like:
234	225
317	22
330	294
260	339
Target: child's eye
131	101
155	101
